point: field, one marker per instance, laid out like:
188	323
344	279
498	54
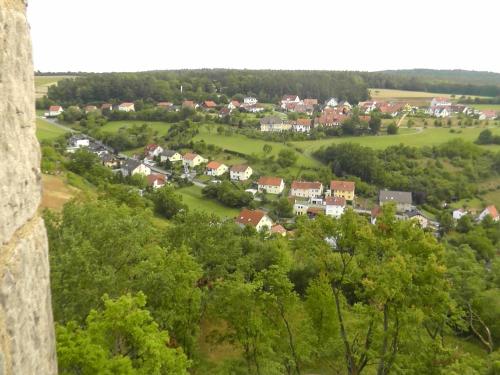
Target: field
56	192
42	83
192	197
46	131
410	137
114	126
487	106
388	94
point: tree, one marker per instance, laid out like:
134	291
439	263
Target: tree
167	202
392	129
375	124
122	338
282	207
286	158
485	137
267	148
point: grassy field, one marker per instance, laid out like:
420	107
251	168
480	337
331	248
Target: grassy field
42	83
410	137
192	197
56	192
248	146
114	126
388	94
487	106
46	131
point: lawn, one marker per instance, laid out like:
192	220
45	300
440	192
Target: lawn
410	96
247	146
114	126
42	83
46	131
410	137
486	106
193	198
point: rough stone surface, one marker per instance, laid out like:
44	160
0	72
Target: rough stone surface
27	344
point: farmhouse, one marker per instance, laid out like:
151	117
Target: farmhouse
170	155
458	214
306	189
335	206
489	211
401	199
330	118
240	172
332	102
126	107
108	160
255	218
215	168
90	108
192	160
418	217
344	189
302	125
132	167
55	110
274	124
153	150
189	104
289	99
253	108
209	104
233	104
156	180
106	107
271	185
488	115
440	102
250	100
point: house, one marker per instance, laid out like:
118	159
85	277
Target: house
170	155
215	168
153	150
418	217
402	199
224	111
488	115
491	211
310	102
255	218
330	117
156	180
302	125
253	108
334	206
209	104
344	189
332	102
189	104
270	185
79	141
240	172
274	124
440	102
458	214
233	104
192	160
132	167
106	107
108	160
54	111
289	99
278	229
300	207
250	100
439	111
165	105
90	108
313	211
126	107
374	213
392	109
306	189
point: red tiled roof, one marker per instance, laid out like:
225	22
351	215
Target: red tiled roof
304	122
239	168
54	108
213	165
270	181
310	101
106	105
306	185
335	201
209	104
289	97
278	229
235	103
156	177
188	103
151	147
190	156
342	185
250	217
492	211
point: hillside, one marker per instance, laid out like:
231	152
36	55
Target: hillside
468	77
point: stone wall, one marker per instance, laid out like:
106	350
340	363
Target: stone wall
27	344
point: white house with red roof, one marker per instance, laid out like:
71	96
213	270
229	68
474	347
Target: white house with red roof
440	102
214	168
459	213
240	172
233	104
54	111
488	114
156	180
192	160
334	206
271	185
302	125
254	218
491	211
126	107
306	189
288	101
153	150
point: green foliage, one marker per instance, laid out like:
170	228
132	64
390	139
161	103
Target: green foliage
228	194
167	202
121	339
392	129
287	158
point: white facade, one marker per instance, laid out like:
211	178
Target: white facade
219	171
301	128
126	107
458	214
272	189
55	111
240	175
250	100
306	192
332	102
264	223
334	210
193	162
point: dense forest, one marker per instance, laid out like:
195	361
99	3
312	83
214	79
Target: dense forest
266	85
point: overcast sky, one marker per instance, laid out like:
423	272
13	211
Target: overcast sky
133	35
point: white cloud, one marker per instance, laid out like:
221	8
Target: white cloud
131	35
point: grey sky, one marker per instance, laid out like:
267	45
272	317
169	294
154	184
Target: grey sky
131	35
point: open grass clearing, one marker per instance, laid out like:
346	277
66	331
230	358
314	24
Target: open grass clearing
56	192
42	83
193	198
113	126
47	131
